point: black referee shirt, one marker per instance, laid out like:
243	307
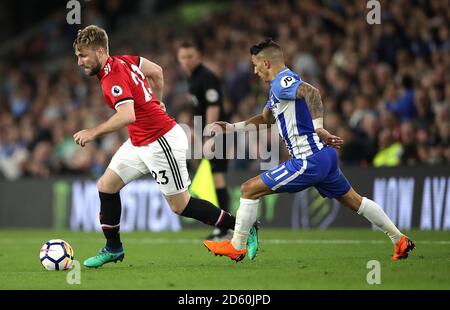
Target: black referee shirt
206	90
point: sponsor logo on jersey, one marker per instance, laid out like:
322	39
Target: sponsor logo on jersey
287	81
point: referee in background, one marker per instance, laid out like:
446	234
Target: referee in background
206	91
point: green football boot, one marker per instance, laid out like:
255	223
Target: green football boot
104	256
252	242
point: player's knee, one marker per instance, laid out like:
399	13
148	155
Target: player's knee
176	205
247	190
177	209
351	200
101	185
105	187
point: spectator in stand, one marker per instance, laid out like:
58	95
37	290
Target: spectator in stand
390	151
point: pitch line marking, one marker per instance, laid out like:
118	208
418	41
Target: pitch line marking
264	241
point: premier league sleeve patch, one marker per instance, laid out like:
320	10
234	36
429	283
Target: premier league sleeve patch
116	91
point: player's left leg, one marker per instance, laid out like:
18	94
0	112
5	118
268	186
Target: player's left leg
291	176
109	186
375	214
245	237
125	167
219	168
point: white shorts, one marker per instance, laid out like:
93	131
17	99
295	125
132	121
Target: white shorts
164	158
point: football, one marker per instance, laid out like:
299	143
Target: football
56	254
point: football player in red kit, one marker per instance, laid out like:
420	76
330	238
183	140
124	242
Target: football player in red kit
133	87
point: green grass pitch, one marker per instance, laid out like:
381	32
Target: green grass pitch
331	259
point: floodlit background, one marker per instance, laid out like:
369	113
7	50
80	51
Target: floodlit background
384	87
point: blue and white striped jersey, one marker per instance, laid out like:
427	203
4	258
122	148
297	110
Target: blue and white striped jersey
292	115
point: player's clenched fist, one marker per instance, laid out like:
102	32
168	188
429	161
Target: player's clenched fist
329	139
83	137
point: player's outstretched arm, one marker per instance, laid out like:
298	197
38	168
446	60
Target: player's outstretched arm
264	118
314	102
124	116
155	76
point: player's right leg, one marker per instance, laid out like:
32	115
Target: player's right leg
199	209
335	185
125	167
166	158
375	214
219	167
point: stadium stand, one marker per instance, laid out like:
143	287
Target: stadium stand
386	88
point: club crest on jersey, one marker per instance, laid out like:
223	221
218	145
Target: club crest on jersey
273	100
273	104
116	91
287	81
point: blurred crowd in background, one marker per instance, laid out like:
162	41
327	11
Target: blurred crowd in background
385	88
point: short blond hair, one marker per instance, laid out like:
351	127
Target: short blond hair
92	36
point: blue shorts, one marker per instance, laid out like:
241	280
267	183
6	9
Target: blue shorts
320	170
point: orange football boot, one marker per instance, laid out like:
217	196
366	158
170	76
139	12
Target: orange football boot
402	248
225	248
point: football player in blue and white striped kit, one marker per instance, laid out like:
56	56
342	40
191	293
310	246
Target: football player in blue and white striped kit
296	107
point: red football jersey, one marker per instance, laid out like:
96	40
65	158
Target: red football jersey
122	81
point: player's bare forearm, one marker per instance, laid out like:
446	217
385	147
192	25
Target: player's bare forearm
114	123
313	100
154	73
124	116
157	86
264	118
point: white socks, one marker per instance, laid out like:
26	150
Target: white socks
373	212
245	218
